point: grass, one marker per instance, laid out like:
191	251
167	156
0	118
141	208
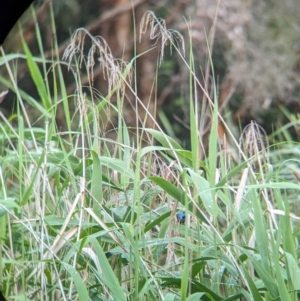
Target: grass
88	217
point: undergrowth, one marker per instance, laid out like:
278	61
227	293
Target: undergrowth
85	216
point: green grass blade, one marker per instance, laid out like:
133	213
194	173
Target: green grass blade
164	140
205	194
260	231
79	283
118	165
294	271
275	242
96	183
37	78
254	291
107	274
264	274
176	193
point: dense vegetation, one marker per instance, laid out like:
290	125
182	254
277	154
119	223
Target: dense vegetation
130	213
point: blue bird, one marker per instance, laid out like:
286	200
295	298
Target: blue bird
180	217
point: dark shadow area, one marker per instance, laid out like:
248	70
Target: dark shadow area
10	13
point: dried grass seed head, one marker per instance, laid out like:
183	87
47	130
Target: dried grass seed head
113	69
158	30
254	141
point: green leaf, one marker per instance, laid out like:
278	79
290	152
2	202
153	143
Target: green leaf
99	107
9	203
283	291
260	230
173	148
255	293
204	192
170	188
264	274
79	283
29	99
195	297
293	270
235	171
118	165
14	56
96	185
170	297
106	274
164	140
150	149
157	221
196	287
37	77
176	193
197	267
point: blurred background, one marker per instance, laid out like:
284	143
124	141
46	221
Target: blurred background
255	49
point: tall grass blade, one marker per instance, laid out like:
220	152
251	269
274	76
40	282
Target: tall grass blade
96	183
80	285
37	78
106	274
